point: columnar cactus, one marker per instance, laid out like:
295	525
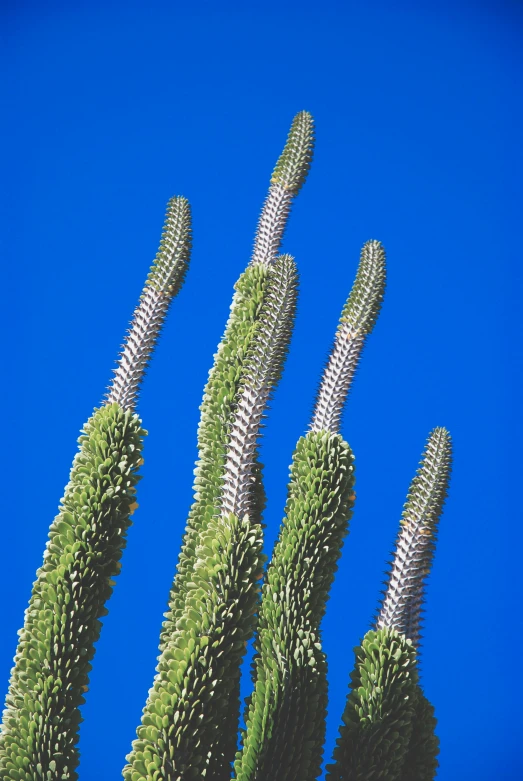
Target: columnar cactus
388	724
220	596
86	540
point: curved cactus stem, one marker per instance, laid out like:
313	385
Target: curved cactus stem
287	180
87	537
403	597
262	371
285	716
357	320
162	285
61	627
225	378
199	665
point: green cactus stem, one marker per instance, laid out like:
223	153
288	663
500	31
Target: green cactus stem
356	323
421	758
86	540
163	283
225	377
378	717
285	717
415	748
403	597
287	180
192	710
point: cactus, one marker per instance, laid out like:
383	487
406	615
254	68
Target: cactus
221	597
388	724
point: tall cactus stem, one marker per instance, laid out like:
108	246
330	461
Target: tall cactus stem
162	285
403	598
287	179
262	371
357	321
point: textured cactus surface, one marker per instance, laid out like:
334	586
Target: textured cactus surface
224	592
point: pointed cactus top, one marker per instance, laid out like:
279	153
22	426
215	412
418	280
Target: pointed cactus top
404	596
295	161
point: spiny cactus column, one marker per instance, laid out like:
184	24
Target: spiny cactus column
388	724
190	720
187	717
225	377
86	539
285	717
405	586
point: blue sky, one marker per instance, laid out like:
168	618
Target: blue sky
110	109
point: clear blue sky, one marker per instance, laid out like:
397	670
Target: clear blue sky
109	109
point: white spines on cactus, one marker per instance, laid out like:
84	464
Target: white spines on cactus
263	368
163	283
403	598
357	321
287	179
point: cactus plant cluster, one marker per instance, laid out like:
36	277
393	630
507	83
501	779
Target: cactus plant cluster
223	592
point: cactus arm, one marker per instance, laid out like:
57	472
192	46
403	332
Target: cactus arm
163	283
288	705
86	539
284	732
403	598
224	381
377	721
56	645
356	323
262	372
216	413
287	180
199	666
414	747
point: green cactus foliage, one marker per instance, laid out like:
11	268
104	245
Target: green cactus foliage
377	721
363	305
287	179
286	713
421	759
216	412
220	599
198	669
167	273
86	539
